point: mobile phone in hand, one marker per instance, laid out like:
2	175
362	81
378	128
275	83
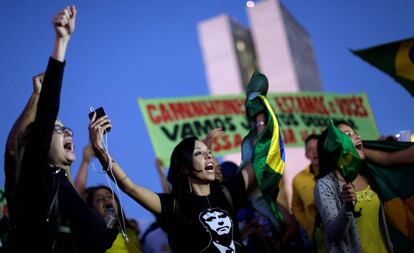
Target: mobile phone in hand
99	113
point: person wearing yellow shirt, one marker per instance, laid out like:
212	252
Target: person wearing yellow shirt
102	199
303	207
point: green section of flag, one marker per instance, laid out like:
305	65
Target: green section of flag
340	146
269	159
396	186
396	59
265	151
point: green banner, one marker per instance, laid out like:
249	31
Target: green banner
299	114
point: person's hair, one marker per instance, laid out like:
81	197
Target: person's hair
338	122
327	163
181	164
311	137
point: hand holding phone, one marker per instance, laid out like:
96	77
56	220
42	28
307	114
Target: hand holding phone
99	113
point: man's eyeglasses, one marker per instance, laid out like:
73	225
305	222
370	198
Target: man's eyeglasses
61	130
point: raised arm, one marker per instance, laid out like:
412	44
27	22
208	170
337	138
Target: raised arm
25	118
37	148
64	23
82	176
11	167
248	172
212	135
404	156
148	199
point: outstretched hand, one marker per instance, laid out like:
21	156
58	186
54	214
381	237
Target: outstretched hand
213	134
64	22
96	129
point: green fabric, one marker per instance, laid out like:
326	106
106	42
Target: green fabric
267	178
384	57
267	155
394	182
258	85
341	147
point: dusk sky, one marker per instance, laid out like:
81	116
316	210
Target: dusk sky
125	49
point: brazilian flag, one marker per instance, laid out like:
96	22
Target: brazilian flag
269	158
265	151
396	185
341	148
396	59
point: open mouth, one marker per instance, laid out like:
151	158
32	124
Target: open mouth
68	146
209	167
358	146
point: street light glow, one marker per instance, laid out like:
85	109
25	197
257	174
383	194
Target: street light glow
250	4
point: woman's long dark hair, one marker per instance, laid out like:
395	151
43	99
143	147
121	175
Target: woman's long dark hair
181	166
327	163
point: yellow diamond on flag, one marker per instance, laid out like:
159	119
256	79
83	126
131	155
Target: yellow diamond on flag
404	63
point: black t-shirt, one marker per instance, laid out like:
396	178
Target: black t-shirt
205	223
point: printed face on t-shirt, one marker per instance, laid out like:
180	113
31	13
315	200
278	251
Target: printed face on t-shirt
217	221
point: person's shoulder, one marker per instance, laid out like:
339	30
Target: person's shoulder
302	173
166	198
329	177
326	181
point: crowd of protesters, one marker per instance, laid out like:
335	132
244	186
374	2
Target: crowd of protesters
204	206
